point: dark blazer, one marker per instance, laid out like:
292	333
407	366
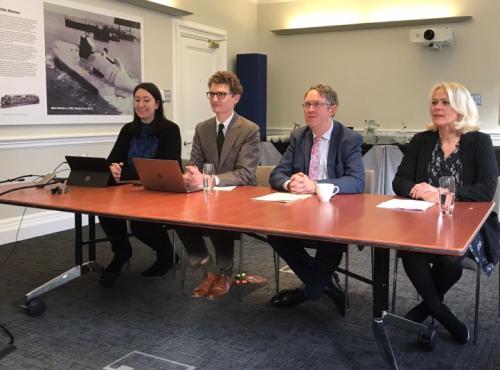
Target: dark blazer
169	144
344	164
480	175
240	152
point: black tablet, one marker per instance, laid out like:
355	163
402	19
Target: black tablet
89	171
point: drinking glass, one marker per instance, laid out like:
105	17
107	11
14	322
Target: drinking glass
446	194
208	177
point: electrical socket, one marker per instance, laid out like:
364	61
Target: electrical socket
167	95
477	98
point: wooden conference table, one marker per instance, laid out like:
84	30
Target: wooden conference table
353	219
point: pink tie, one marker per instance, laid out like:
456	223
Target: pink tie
314	162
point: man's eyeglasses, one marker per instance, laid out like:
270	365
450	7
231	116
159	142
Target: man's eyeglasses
219	95
315	104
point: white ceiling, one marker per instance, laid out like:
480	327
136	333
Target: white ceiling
270	1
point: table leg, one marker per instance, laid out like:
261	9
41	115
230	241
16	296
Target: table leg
381	257
380	281
240	291
34	305
91	237
426	337
78	239
91	264
276	271
383	342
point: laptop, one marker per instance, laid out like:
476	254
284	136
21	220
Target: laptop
89	171
161	175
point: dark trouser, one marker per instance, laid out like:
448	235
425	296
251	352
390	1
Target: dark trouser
432	283
152	234
195	245
314	272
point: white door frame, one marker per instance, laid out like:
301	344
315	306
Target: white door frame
179	28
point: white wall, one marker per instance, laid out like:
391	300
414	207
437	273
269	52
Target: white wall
39	148
378	73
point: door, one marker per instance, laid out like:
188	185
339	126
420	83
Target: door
199	51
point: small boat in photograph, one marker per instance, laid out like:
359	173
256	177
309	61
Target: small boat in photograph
98	72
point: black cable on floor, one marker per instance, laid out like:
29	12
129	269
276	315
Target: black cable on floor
7	333
16	241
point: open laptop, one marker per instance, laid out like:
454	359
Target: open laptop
162	175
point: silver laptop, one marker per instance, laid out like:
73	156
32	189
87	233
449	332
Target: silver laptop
161	175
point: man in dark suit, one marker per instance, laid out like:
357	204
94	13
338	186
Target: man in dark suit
231	143
324	151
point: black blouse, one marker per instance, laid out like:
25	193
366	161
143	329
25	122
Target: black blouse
441	166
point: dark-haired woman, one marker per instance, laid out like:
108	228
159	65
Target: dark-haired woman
149	135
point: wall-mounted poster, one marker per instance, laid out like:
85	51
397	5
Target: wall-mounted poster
61	62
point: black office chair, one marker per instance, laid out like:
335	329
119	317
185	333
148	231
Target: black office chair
262	174
369	174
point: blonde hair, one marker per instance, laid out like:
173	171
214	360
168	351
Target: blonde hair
461	101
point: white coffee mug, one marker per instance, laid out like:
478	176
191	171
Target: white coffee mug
325	191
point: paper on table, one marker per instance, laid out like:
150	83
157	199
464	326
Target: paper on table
282	197
408	204
224	188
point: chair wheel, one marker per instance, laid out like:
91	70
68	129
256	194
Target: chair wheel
35	307
427	342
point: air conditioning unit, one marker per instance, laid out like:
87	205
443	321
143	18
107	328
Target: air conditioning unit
433	37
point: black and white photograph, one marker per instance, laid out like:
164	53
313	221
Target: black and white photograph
14	100
93	62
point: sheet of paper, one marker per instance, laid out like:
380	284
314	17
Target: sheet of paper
224	188
408	204
282	197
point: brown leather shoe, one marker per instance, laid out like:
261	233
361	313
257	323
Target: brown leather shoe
204	287
221	286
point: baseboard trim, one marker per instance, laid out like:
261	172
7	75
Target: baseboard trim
36	224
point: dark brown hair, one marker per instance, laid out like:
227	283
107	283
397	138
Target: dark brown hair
228	78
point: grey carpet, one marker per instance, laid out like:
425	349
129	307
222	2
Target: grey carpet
87	327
